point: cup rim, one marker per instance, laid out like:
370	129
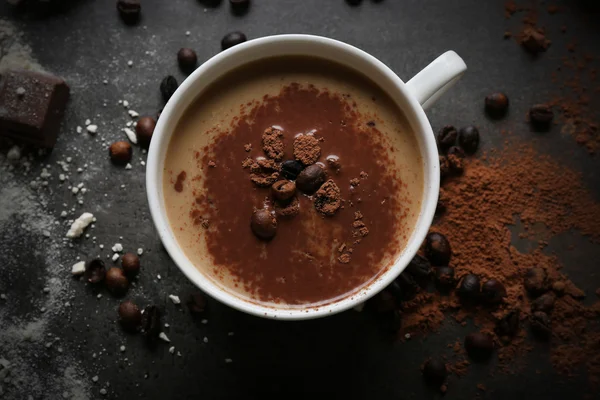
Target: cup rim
154	181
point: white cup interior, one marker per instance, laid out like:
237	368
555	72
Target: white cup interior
280	45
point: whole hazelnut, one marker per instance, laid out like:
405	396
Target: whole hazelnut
130	316
120	152
116	281
263	224
144	130
187	59
131	264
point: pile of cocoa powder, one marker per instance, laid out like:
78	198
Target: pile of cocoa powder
482	208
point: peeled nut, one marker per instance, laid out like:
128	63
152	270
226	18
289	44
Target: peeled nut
144	130
120	152
283	190
264	224
131	264
116	281
130	316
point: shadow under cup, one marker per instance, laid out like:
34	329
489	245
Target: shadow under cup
286	45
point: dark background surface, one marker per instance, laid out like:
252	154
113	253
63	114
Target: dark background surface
344	356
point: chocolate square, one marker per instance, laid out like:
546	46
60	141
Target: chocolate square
32	105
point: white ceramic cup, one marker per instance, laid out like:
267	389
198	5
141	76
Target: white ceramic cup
411	97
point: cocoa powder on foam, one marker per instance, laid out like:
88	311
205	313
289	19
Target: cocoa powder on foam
495	193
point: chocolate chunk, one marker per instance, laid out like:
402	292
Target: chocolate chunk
232	39
534	41
541	116
328	198
311	179
435	372
447	137
291	168
479	346
283	190
32	105
272	143
307	149
264	224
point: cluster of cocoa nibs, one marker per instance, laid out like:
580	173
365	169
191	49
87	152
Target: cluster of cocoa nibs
288	178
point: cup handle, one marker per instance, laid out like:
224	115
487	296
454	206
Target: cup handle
435	79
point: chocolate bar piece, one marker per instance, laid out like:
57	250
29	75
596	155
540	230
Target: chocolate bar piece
32	105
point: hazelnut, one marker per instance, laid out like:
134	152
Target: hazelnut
120	152
116	281
131	264
130	316
263	224
187	59
144	130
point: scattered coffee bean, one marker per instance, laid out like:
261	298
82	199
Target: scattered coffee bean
444	167
541	325
311	178
196	303
536	281
419	267
493	292
435	372
168	86
496	105
437	249
408	286
544	303
232	39
468	139
456	151
283	190
470	287
559	287
353	2
116	281
151	325
479	346
131	264
239	6
120	152
130	316
263	224
95	272
144	129
508	326
129	10
291	168
541	116
534	41
187	59
383	302
447	137
444	278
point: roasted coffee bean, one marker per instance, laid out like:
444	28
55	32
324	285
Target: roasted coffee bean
479	346
541	116
95	271
187	59
456	151
144	129
444	167
444	278
232	39
168	86
311	179
541	325
283	190
196	303
419	267
468	139
353	2
544	303
131	264
129	10
130	316
496	105
447	137
493	292
383	302
437	249
469	287
151	325
264	224
508	325
116	281
395	290
536	281
120	152
408	286
291	168
435	372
